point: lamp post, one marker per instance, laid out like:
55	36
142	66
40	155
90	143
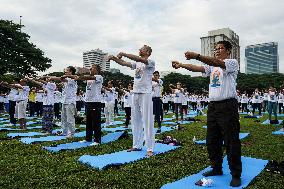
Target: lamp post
20	23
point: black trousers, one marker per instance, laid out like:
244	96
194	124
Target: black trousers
166	107
254	106
39	107
12	108
93	125
280	107
116	107
245	107
223	127
56	110
32	108
127	114
194	106
178	109
158	110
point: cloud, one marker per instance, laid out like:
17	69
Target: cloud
65	29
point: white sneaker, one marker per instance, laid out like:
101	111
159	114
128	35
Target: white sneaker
94	144
82	141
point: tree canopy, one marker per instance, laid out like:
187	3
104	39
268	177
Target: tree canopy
18	56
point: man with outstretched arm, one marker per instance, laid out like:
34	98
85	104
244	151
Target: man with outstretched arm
142	109
222	116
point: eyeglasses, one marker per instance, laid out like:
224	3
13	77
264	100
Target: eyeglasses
218	49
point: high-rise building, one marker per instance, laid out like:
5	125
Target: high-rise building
96	56
262	58
114	70
226	34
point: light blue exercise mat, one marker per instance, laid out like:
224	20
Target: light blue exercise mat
109	129
8	129
29	140
163	129
280	132
251	168
174	123
29	134
168	118
76	145
241	136
267	122
122	157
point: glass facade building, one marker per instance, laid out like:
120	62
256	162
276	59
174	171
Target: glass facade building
262	58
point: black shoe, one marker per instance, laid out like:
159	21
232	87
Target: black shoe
158	130
213	172
235	182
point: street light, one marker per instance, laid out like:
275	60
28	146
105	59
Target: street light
20	23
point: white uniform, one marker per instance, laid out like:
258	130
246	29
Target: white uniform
69	107
22	100
109	106
142	109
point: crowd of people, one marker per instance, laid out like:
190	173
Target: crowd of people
144	102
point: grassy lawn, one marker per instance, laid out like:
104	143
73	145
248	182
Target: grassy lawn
28	166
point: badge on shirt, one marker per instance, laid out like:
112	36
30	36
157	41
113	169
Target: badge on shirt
216	77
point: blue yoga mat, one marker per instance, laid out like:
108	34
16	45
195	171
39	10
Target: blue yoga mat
251	168
169	123
114	129
3	119
122	157
13	135
8	129
76	145
241	136
280	132
163	129
29	140
244	113
35	127
168	119
267	122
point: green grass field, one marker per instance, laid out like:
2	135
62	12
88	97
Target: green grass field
28	166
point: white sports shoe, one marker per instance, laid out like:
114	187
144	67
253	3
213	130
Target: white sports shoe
82	141
94	144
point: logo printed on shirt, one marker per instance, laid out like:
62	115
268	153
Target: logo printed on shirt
216	77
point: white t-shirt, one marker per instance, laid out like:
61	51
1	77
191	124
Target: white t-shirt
265	96
157	88
69	91
143	76
39	97
2	99
57	96
222	81
127	98
256	97
166	98
244	99
178	96
94	89
280	98
272	97
13	93
184	99
23	94
109	95
48	97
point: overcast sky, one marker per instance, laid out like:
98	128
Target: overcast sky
64	29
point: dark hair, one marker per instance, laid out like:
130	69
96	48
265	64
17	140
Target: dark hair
156	72
149	49
226	44
98	68
72	69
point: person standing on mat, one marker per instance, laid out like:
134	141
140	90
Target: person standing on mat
93	98
142	109
256	101
272	104
127	99
157	84
222	116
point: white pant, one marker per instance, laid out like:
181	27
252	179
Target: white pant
142	118
20	108
68	119
109	112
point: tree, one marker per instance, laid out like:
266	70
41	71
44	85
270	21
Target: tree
18	56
